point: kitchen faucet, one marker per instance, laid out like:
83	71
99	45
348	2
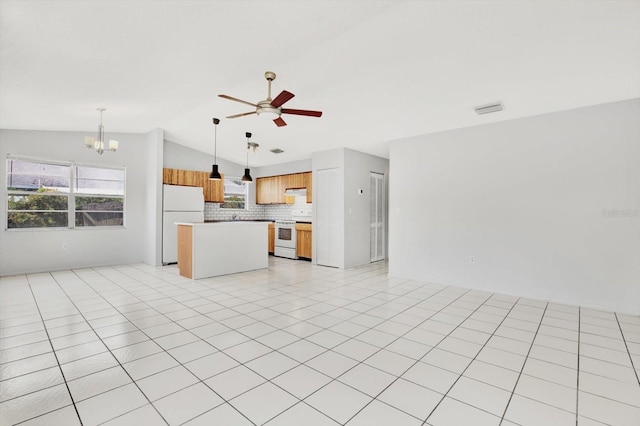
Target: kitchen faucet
234	216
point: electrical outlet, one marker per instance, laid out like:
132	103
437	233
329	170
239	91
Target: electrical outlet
472	259
65	246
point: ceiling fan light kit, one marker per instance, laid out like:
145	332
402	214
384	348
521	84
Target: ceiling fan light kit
272	106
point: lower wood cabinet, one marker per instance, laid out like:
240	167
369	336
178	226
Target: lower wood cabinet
272	237
304	240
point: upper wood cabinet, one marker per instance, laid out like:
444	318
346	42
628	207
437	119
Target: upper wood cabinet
267	190
308	180
213	189
270	190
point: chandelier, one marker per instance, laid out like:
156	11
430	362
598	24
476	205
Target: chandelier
100	144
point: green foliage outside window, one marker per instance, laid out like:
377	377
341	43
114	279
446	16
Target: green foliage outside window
233	202
43	210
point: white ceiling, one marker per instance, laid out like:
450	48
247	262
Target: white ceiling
379	70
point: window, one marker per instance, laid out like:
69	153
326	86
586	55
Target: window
47	194
235	194
99	196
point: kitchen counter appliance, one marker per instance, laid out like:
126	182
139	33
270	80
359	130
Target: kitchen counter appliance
179	204
285	239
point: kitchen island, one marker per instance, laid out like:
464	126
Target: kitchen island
220	248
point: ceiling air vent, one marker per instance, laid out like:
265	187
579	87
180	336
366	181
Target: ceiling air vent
277	151
486	109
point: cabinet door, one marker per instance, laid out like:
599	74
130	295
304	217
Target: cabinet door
187	177
263	190
308	183
303	246
295	181
213	189
272	238
170	176
280	184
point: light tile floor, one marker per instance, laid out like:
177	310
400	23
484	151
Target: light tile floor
304	345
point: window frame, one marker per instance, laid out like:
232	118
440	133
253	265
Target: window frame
71	211
246	195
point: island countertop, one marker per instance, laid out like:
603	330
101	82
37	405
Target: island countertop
219	248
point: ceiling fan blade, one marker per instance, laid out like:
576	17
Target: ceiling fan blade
302	112
283	97
241	115
237	100
279	122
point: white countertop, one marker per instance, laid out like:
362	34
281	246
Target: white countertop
244	247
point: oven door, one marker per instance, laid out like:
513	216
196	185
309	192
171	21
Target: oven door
285	236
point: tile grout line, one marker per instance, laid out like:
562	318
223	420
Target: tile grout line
473	359
443	288
108	349
328	329
373	307
286	292
239	313
163	351
322	329
524	363
381	349
627	346
402	336
73	402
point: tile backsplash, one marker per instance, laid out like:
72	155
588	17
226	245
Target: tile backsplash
212	211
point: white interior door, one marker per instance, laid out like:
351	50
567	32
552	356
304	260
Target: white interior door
327	217
377	217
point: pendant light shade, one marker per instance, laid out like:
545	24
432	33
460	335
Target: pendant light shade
250	145
247	176
215	174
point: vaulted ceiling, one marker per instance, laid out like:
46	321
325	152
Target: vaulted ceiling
379	70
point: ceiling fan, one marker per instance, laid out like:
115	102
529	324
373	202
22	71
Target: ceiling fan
273	106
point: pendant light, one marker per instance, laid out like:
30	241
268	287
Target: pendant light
250	145
215	174
99	144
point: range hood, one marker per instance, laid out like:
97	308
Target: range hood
302	192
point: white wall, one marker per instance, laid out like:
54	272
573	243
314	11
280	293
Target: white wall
357	227
178	156
354	168
153	232
532	200
283	169
23	251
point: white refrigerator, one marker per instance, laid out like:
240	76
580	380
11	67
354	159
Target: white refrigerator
179	204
